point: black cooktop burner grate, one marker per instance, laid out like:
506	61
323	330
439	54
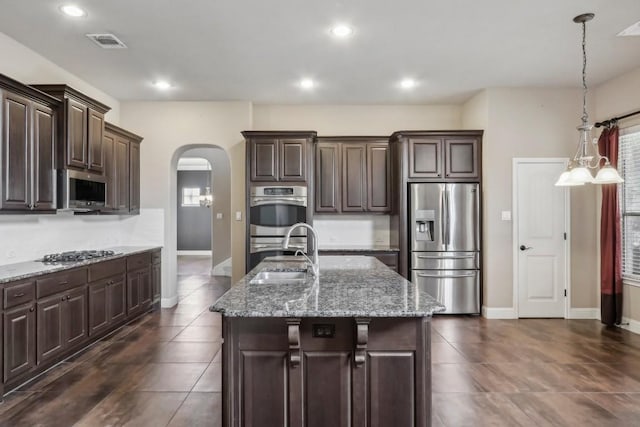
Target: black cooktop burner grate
73	256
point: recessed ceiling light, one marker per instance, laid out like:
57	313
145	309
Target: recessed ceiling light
407	83
307	84
162	84
73	11
632	30
342	31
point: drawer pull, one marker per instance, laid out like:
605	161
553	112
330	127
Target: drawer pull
63	283
31	309
447	276
21	294
445	256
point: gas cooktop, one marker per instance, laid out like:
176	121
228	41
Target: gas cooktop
74	256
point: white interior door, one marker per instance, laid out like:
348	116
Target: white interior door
540	239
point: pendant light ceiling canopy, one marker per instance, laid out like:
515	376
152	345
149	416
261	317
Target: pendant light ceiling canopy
587	156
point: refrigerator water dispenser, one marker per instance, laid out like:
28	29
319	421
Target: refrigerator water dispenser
425	220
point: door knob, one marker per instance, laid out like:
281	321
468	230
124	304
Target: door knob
525	248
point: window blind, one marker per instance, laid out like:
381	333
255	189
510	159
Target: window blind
629	199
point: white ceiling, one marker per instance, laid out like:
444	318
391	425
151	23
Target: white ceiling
257	50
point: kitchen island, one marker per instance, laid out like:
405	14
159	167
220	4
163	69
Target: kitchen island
351	347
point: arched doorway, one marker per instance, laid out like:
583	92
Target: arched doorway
219	214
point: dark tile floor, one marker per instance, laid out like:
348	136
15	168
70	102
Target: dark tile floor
164	370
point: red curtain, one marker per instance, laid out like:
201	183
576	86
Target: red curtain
610	237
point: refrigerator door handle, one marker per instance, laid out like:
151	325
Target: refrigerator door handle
446	256
443	216
446	276
447	216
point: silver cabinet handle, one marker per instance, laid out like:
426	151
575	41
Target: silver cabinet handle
446	276
445	256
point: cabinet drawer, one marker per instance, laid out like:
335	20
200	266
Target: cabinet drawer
19	293
60	282
156	257
107	268
137	261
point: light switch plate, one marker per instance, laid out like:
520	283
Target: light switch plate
219	215
238	216
506	215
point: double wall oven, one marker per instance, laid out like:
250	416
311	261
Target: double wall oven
272	210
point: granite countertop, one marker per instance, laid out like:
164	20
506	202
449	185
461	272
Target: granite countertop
358	248
348	286
24	270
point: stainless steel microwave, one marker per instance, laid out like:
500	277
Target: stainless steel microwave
81	191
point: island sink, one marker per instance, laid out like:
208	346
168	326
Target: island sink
284	277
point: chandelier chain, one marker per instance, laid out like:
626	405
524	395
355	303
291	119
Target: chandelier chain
585	116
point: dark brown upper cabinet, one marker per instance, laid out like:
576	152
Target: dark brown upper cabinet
442	155
122	169
352	175
28	144
274	156
80	129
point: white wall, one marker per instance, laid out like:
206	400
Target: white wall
529	122
23	64
614	98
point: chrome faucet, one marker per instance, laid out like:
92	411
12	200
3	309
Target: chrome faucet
315	265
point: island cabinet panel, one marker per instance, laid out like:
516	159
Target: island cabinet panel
264	379
327	385
19	341
391	396
326	372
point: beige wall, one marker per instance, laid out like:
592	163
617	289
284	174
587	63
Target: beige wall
528	122
356	119
169	128
613	98
26	66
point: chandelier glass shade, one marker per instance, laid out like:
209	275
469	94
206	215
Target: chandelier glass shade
587	157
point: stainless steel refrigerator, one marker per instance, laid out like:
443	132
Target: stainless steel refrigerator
445	243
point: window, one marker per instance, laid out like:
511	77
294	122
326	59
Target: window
191	196
629	199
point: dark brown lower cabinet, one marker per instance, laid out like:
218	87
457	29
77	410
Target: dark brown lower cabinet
117	300
139	291
19	341
156	276
363	372
62	323
98	308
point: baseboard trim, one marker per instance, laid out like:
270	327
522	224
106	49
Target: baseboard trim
499	312
584	313
633	325
198	253
222	269
169	302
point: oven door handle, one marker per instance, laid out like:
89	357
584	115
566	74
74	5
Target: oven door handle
296	201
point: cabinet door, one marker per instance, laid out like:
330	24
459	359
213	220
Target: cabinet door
327	181
76	134
110	170
134	177
156	280
44	172
98	308
121	174
146	293
354	175
75	317
378	178
461	158
15	152
327	384
19	341
425	158
50	327
293	160
263	159
133	293
117	300
95	148
265	394
391	389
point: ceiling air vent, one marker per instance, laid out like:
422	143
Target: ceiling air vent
107	41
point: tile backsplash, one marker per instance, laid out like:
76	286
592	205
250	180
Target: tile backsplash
29	237
356	230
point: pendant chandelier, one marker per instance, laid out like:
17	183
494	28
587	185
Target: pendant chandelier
587	156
